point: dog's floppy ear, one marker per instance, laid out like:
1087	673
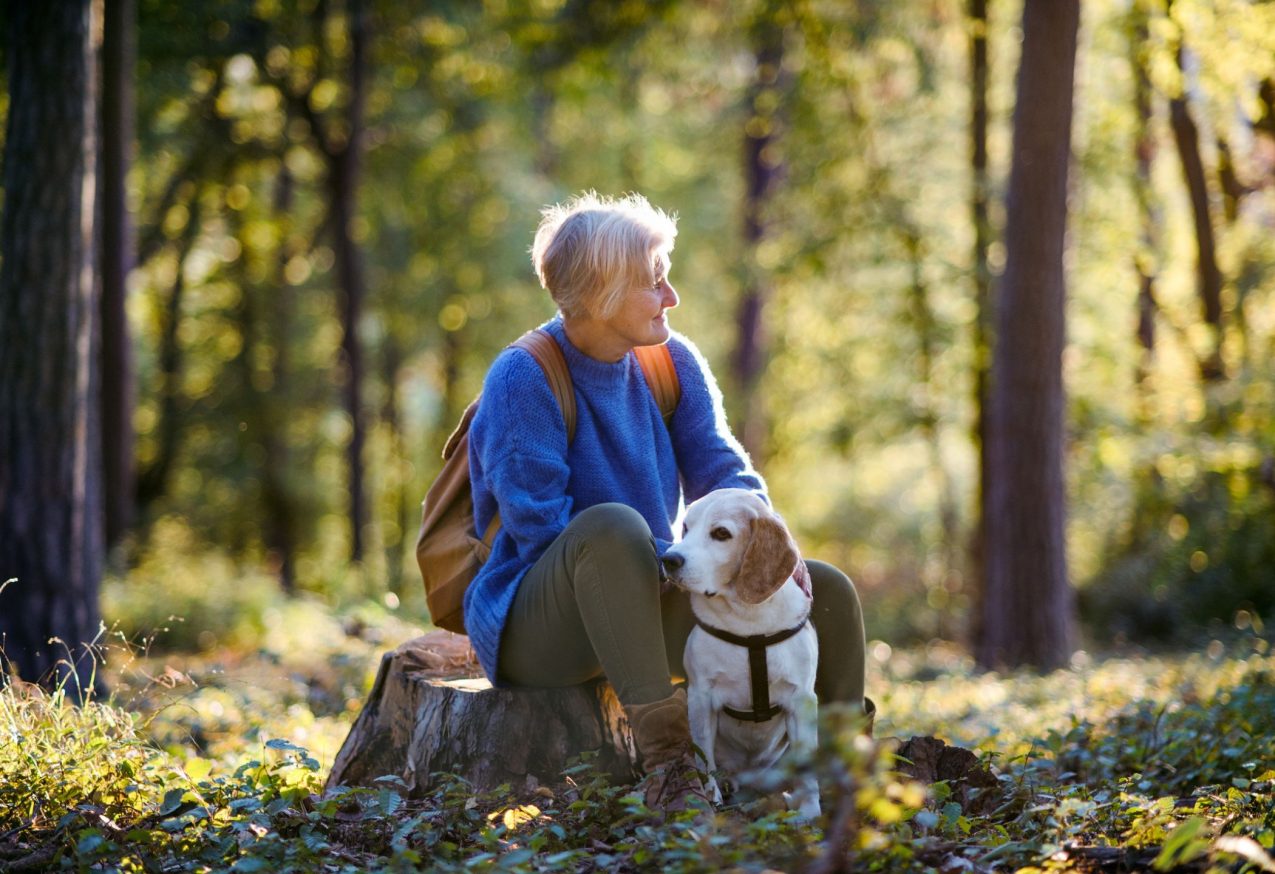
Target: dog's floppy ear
768	561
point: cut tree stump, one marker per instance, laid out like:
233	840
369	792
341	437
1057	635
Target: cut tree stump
427	714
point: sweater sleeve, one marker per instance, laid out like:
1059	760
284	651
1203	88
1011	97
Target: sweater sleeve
518	456
708	455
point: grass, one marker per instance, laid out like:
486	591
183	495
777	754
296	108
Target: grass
214	760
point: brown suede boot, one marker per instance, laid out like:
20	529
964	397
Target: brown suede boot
663	738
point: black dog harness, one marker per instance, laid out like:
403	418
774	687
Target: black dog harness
758	675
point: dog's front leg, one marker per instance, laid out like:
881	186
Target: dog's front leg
703	718
802	722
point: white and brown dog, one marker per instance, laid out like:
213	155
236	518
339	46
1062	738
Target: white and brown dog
752	656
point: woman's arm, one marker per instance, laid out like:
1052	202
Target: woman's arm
518	455
708	455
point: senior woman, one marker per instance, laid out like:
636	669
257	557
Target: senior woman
571	590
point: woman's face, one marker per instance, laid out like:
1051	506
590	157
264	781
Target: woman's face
642	318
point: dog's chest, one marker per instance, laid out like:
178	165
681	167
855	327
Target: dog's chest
722	669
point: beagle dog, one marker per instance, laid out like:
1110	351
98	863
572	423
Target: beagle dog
752	655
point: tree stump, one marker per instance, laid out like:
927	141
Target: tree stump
428	713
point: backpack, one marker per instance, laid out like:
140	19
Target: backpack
449	549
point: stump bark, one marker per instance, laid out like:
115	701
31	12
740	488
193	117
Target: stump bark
427	714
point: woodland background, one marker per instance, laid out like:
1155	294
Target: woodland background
994	315
313	229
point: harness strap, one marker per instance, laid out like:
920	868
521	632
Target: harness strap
758	674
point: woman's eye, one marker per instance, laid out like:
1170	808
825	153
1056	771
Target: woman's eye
720	533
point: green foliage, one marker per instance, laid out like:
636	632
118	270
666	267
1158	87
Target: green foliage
1164	764
1194	557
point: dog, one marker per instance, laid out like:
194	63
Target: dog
751	657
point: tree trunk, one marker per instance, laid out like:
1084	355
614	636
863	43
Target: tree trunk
398	481
980	215
1208	276
50	414
152	480
923	322
420	719
118	389
345	162
762	171
281	524
1146	255
1027	606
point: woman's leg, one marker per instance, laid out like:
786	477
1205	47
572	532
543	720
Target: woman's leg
838	621
590	607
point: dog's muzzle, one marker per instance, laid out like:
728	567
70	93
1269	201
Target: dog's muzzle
670	564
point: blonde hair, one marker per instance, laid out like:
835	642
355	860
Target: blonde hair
591	250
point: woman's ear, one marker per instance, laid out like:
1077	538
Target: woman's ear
769	560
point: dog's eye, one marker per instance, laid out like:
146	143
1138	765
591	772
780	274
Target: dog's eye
686	529
720	533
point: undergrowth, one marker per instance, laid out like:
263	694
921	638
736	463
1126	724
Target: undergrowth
1149	764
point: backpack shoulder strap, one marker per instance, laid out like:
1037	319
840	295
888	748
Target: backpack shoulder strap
661	377
548	355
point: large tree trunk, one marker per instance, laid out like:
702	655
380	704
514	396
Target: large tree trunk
118	389
425	715
1027	605
50	454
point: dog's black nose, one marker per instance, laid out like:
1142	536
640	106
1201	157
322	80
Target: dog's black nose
671	563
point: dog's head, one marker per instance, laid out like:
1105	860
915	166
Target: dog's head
732	545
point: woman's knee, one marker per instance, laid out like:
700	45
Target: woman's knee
614	534
834	592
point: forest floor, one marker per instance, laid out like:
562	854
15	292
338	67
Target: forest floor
216	761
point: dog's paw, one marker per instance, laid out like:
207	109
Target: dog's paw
804	804
714	791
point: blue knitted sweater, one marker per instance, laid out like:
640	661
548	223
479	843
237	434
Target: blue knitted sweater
520	461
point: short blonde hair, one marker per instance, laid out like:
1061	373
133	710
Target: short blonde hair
591	250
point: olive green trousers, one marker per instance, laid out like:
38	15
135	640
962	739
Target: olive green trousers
592	606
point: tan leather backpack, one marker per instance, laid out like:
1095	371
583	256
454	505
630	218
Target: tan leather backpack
448	548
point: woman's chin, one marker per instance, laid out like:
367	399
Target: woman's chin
659	331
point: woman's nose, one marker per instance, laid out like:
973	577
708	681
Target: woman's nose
670	298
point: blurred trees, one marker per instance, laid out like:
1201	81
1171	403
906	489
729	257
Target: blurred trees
51	535
334	200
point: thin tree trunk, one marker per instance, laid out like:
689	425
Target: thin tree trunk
762	172
1027	606
118	389
345	169
980	215
281	523
51	536
924	325
1146	255
152	480
398	483
1208	277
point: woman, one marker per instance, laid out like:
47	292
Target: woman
572	590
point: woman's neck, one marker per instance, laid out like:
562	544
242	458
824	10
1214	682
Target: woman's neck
595	339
